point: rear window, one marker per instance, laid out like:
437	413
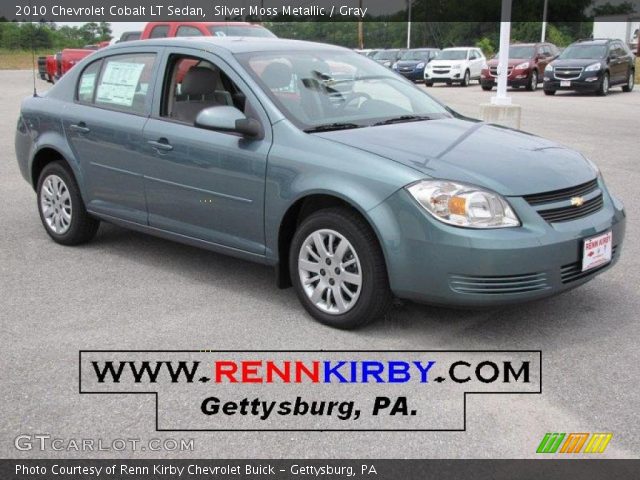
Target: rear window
239	31
124	82
87	83
187	31
159	31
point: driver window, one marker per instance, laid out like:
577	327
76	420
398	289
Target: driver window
193	84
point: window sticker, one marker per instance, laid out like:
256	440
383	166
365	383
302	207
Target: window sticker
85	90
119	83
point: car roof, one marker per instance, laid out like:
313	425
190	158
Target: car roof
231	44
595	41
460	48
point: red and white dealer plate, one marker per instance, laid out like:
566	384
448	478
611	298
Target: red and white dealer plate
597	251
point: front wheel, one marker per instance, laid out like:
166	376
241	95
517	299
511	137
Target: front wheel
428	84
604	85
630	82
61	208
487	88
466	79
338	269
533	81
549	92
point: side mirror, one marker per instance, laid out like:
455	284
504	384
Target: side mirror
228	119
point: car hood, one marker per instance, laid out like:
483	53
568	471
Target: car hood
512	61
410	63
575	62
506	161
441	63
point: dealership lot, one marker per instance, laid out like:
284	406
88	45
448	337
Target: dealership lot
130	291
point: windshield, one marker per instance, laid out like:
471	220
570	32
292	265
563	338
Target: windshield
452	55
239	31
584	51
518	51
385	55
415	55
320	87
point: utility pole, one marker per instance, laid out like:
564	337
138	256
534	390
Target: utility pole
544	21
409	26
360	29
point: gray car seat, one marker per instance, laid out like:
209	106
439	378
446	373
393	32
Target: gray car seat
201	88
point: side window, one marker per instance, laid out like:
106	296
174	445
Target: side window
159	31
187	31
87	83
193	84
124	82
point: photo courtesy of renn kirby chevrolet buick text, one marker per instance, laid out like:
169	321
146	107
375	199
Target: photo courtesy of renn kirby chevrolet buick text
354	183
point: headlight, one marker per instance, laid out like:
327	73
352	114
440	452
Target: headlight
522	66
420	66
548	68
593	67
463	205
395	66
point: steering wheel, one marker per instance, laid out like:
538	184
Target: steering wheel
353	96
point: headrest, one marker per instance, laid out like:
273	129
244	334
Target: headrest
277	75
199	81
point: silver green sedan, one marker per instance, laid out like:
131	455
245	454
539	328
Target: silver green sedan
353	183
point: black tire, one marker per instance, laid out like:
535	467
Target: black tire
549	92
487	88
428	84
466	80
630	82
82	227
603	89
532	84
375	295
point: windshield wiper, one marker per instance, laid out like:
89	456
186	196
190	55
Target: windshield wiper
327	127
403	118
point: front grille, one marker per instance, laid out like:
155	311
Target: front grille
441	71
494	71
573	271
567	73
569	211
509	284
406	69
565	214
564	194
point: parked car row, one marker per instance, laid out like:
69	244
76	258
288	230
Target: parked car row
593	65
52	67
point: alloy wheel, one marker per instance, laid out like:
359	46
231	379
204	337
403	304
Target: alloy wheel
330	271
55	204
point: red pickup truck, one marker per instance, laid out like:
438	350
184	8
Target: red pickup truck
52	67
203	29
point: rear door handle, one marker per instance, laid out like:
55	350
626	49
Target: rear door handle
80	127
161	144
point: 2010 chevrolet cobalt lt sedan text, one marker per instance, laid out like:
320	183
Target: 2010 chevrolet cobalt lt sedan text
354	183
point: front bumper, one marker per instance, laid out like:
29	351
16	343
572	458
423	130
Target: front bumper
520	79
415	75
586	82
451	76
435	263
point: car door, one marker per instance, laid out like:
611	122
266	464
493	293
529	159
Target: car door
617	64
104	129
204	184
476	61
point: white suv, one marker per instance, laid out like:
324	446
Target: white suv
460	65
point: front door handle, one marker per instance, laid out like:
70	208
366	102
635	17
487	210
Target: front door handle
80	127
162	144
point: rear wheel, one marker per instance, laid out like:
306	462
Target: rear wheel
604	85
549	92
630	81
61	208
338	270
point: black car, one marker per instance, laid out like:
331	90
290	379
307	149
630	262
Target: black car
591	66
412	62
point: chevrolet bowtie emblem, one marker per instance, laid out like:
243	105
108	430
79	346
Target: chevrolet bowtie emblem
577	201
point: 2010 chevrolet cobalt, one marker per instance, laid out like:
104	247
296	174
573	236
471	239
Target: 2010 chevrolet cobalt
354	183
